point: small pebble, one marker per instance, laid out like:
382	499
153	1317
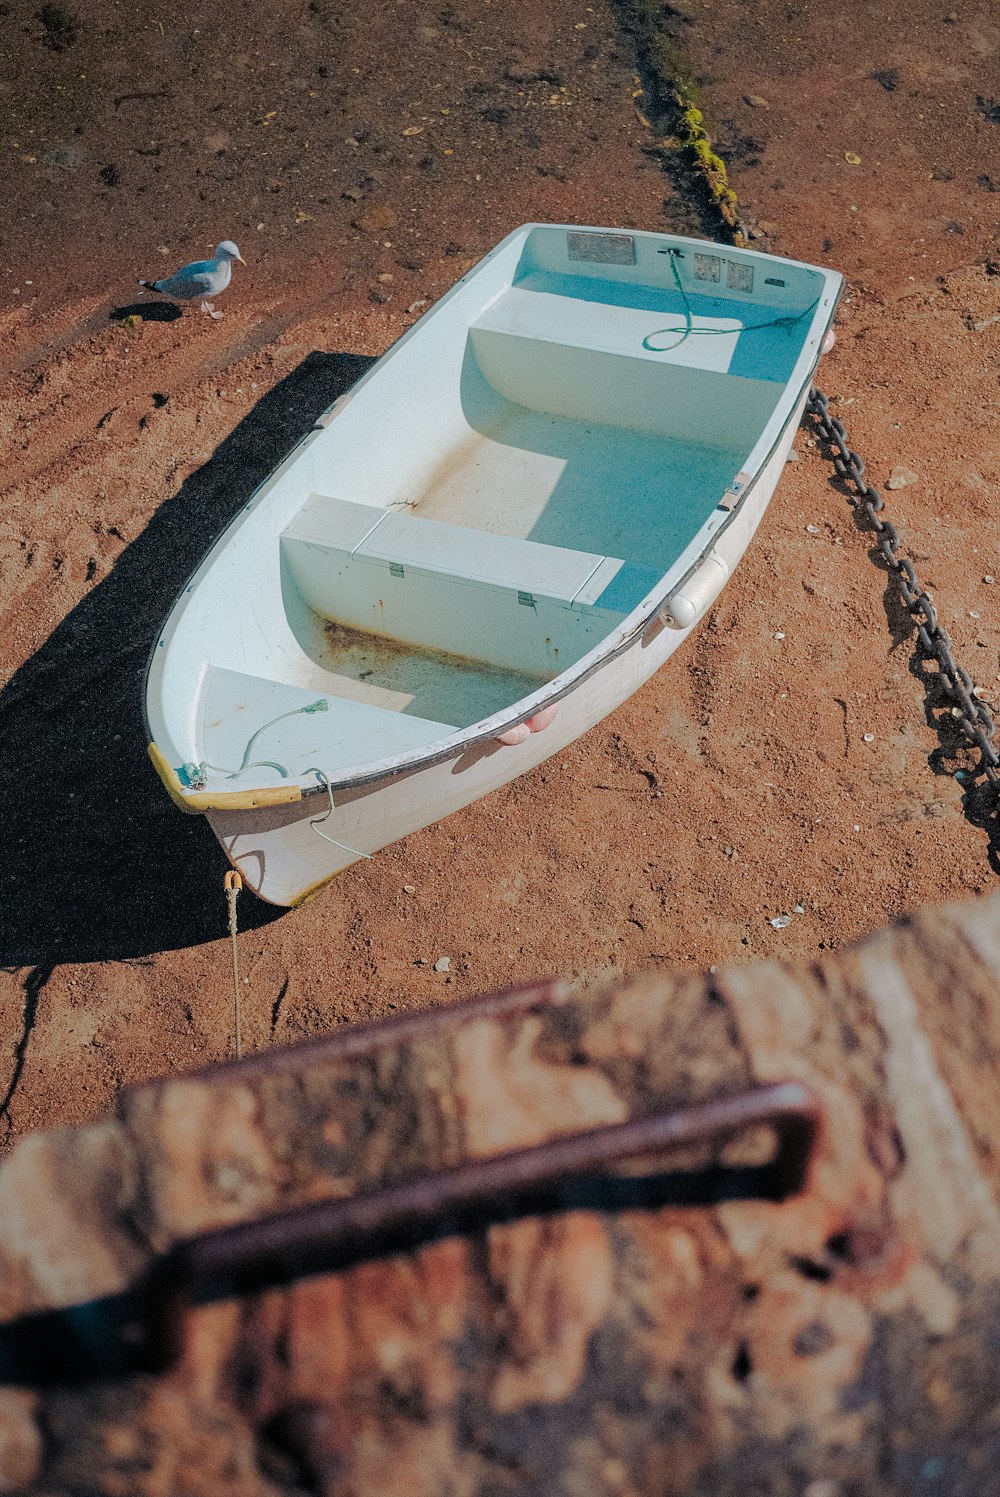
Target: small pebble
857	827
756	101
868	737
377	219
409	888
798	909
443	964
779	635
988	578
793	456
780	921
901	478
812	529
973	614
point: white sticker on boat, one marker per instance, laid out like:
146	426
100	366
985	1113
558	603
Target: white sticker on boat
606	249
739	277
707	267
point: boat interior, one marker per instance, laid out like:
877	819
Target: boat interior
542	476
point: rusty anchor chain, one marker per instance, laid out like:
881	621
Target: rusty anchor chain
970	714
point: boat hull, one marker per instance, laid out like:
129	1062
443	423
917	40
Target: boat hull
286	853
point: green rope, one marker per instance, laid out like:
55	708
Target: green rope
690	331
320	705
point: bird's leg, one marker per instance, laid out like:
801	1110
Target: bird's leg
207	307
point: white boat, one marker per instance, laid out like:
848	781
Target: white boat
485	547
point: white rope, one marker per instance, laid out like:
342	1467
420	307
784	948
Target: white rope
234	884
317	821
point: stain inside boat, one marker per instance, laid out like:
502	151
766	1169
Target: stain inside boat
387	672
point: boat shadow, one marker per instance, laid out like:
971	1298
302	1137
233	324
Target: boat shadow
99	864
147	311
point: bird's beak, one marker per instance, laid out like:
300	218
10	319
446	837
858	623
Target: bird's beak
241	259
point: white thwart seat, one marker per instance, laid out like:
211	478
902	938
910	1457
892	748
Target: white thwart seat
503	561
498	598
585	361
296	729
548	317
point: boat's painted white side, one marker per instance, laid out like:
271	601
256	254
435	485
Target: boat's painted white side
243	637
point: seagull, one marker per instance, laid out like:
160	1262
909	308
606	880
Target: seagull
202	278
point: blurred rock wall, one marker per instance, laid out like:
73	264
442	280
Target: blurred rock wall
844	1342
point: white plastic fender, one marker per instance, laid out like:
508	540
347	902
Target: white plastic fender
696	593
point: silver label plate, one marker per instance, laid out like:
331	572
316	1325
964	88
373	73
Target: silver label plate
739	276
605	249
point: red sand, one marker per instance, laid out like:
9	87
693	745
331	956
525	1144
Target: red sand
362	158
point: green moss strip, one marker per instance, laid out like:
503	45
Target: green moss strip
670	91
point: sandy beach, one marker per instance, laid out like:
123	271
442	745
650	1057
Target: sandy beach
794	757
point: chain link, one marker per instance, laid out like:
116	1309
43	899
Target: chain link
971	716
